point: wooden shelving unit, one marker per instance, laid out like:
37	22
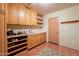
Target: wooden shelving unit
17	41
16	50
13	36
16	44
40	20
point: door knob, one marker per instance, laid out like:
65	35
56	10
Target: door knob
56	32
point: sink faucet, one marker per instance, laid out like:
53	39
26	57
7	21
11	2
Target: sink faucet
30	31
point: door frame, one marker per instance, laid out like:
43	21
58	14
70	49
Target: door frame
58	29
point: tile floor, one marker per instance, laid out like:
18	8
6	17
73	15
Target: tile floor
35	51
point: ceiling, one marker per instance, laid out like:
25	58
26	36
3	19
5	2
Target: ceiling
46	8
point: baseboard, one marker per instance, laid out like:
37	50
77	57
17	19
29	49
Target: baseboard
69	48
53	43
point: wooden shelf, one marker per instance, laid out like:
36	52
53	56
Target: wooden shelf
40	22
72	22
16	45
17	50
13	36
40	18
17	41
39	15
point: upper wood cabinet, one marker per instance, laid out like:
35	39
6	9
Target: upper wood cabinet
23	15
33	17
1	7
27	16
12	12
20	14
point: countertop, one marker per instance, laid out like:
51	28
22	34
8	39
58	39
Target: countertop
13	36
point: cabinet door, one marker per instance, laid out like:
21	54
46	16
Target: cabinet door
33	17
2	34
12	10
30	42
1	7
27	17
39	38
22	15
43	37
35	41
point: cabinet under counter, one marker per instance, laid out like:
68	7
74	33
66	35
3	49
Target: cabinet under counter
35	39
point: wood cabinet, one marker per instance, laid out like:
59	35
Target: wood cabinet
43	37
30	41
36	39
39	38
23	15
27	16
12	12
33	17
1	7
2	34
19	14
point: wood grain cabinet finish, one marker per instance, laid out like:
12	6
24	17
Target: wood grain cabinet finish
30	42
36	39
23	15
33	17
43	37
39	38
2	33
1	7
27	16
19	14
12	12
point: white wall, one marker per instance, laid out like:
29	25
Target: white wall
68	33
27	30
